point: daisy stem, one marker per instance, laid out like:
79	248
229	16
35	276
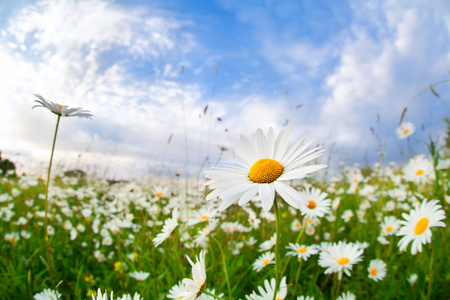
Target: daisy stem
430	275
224	265
211	295
277	250
296	241
298	272
47	249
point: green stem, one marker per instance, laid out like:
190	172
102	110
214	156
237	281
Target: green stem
277	251
212	295
224	265
47	249
430	275
296	241
297	276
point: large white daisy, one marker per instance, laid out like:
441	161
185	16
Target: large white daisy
416	226
266	166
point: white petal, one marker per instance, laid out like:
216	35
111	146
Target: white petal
300	172
248	195
267	194
289	194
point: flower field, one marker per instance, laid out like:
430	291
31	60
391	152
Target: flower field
370	233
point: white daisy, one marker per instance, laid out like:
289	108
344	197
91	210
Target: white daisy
140	276
405	130
169	226
267	166
266	259
340	258
377	269
177	291
412	279
389	226
47	294
101	296
416	226
136	296
195	286
318	205
269	244
62	110
267	292
296	225
346	296
347	215
301	251
419	170
204	214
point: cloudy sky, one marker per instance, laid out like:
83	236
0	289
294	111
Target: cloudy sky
157	74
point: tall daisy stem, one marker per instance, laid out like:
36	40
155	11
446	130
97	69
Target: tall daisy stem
224	265
47	248
277	251
296	241
430	275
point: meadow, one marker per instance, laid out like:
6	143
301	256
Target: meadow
100	237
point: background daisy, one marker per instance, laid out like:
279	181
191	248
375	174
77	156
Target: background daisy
416	226
377	269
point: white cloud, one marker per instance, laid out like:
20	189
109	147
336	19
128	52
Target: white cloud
380	71
122	64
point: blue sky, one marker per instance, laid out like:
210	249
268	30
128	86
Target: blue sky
343	70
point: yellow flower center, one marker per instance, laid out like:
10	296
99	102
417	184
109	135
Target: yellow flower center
265	262
343	261
421	226
297	225
419	172
389	228
374	272
60	106
204	218
159	194
301	250
265	170
405	131
312	204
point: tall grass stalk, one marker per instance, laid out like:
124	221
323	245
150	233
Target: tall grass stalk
224	265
